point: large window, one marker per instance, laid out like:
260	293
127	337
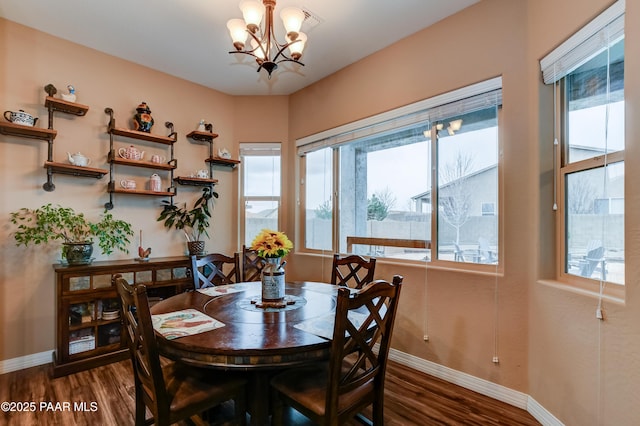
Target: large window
588	72
260	188
370	187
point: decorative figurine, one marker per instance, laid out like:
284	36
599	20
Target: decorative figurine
224	153
201	126
71	96
143	120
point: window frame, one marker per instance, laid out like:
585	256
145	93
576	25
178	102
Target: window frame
317	142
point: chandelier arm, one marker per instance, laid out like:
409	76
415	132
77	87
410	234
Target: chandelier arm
281	48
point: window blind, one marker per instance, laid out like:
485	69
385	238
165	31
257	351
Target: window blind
593	38
467	99
266	148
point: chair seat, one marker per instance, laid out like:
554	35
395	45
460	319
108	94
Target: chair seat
192	389
307	386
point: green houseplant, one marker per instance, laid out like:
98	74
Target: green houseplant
49	223
193	222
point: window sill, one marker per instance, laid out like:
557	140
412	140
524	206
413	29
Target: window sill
613	293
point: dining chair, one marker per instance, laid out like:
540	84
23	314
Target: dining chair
170	390
334	391
252	265
215	269
352	270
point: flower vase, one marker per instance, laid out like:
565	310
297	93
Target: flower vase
273	280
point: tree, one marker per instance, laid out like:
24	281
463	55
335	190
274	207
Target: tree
379	204
455	192
325	210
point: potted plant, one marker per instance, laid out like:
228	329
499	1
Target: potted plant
48	223
193	222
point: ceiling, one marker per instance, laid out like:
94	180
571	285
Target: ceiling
189	38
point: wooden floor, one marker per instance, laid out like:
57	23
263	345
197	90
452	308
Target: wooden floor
104	396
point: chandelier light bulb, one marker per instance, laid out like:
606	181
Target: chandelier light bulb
252	11
297	47
257	51
238	31
292	18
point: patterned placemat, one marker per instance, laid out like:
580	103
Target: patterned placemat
183	323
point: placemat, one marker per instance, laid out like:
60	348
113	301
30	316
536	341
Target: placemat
184	323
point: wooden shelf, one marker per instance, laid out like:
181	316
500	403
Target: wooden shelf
113	189
11	129
223	161
114	159
186	180
65	106
202	136
136	134
70	169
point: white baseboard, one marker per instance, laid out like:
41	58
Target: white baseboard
484	387
28	361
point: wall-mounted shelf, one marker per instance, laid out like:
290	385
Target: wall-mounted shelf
228	162
115	190
65	106
19	130
72	170
202	136
187	180
114	159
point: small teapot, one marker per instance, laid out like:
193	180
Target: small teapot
20	117
131	153
78	159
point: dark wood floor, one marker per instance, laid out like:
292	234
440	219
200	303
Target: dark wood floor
411	398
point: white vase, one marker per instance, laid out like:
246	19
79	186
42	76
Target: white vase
273	280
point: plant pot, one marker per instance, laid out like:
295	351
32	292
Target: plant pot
196	248
77	253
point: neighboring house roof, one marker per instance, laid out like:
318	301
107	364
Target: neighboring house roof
427	194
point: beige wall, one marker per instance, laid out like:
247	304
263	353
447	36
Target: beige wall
31	60
550	345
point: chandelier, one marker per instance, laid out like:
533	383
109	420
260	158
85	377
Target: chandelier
264	46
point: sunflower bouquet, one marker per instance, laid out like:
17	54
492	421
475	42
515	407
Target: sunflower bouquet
270	243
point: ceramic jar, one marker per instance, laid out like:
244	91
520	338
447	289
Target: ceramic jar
143	121
155	183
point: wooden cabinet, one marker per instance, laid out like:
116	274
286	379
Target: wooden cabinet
168	165
89	332
49	134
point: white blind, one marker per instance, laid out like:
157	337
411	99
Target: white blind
606	29
467	99
258	148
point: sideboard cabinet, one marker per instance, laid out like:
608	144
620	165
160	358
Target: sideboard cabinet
89	330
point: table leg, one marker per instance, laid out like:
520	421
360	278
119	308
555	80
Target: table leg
258	397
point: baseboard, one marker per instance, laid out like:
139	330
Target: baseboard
484	387
28	361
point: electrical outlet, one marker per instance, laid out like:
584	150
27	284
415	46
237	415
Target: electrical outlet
425	338
496	360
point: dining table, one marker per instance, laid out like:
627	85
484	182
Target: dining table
228	328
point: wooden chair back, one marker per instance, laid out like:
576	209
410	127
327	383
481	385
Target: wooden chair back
252	265
148	377
215	269
356	367
352	270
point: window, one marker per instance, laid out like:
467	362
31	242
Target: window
369	188
260	188
588	72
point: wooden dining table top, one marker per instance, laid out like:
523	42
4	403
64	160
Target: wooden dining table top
253	337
